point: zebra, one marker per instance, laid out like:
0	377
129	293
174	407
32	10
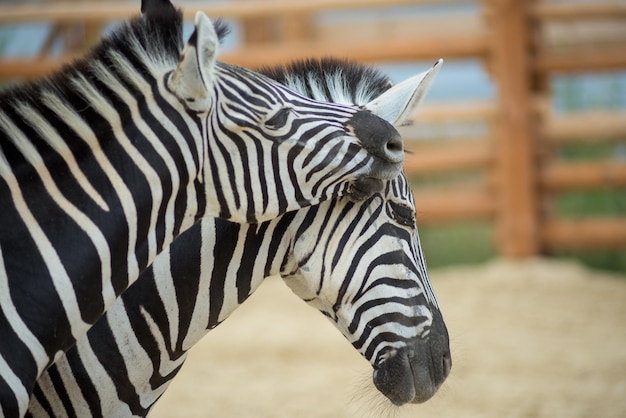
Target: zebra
359	263
103	164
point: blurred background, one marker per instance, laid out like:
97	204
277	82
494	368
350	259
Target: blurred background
520	148
518	162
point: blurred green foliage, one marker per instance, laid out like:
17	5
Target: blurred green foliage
457	243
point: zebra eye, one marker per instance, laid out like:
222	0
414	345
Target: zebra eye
279	119
404	215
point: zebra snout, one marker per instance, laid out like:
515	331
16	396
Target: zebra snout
414	373
378	137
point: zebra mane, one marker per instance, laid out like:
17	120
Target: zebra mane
331	79
151	40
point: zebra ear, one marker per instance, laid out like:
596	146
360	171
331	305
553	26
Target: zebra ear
398	104
192	78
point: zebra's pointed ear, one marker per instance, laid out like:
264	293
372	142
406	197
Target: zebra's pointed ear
192	78
398	104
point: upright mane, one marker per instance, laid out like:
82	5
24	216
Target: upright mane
334	80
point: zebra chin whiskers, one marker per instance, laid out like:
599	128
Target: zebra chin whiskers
367	402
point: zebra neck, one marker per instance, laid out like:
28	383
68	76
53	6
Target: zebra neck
213	267
102	172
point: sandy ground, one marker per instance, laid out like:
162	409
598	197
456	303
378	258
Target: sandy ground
533	339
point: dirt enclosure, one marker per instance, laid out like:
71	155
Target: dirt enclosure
532	339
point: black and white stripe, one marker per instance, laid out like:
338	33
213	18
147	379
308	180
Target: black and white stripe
103	164
359	263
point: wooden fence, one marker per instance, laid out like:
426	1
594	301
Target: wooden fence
520	43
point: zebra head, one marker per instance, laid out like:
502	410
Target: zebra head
361	263
268	149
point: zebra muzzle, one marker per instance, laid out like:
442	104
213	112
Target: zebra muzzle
382	141
413	377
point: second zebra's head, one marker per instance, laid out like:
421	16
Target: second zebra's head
361	263
267	150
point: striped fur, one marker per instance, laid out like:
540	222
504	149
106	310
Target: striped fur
103	164
360	264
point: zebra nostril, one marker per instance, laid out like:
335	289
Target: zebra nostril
447	364
395	145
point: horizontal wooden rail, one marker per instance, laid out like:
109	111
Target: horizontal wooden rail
411	25
446	158
388	49
582	60
571	10
580	176
590	127
457	111
28	69
107	11
587	233
455	205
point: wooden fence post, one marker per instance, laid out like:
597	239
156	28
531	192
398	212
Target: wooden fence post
517	211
